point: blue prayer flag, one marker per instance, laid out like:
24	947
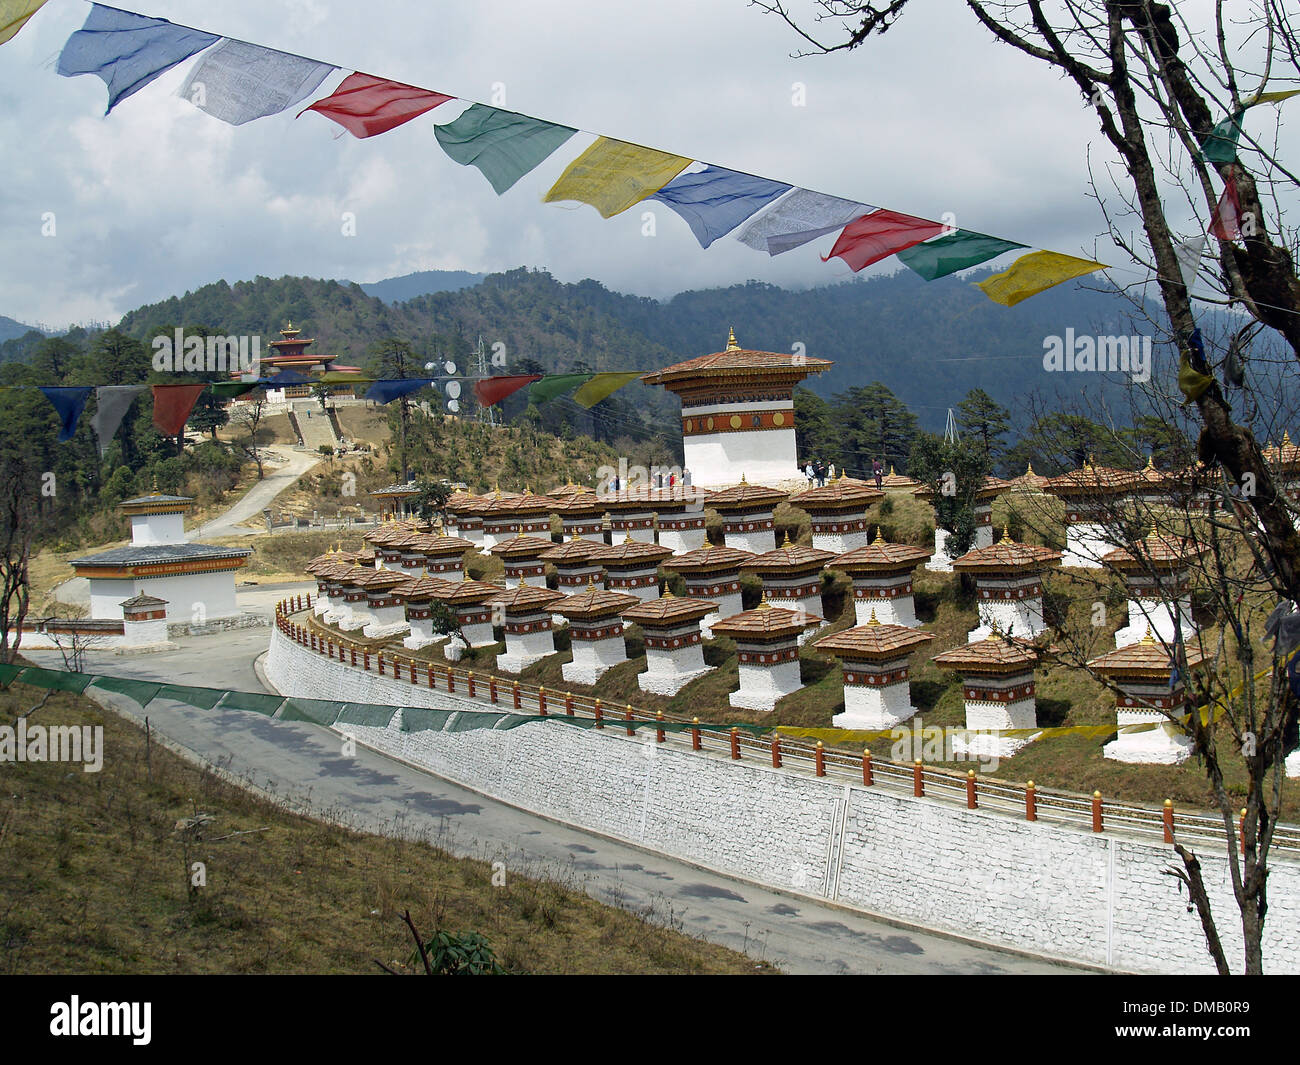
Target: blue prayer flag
715	201
395	388
69	403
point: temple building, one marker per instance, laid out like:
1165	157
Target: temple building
882	580
522	557
469	600
582	514
417	595
838	513
877	692
738	413
196	580
530	634
632	568
1008	586
679	517
747	512
385	609
289	355
508	514
998	685
1150	688
674	649
465	516
630	514
767	644
712	573
1092	497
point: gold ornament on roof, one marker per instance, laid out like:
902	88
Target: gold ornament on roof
731	341
1006	535
1148	638
873	620
880	536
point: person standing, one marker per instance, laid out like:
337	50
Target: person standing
877	471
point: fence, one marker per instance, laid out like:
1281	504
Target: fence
740	742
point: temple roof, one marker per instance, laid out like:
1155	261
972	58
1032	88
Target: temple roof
575	550
789	557
466	591
765	621
1159	552
525	596
880	555
669	610
137	602
633	552
990	489
465	503
582	501
522	546
157	554
397	490
899	481
736	361
874	640
1007	554
1146	659
992	655
516	503
570	489
156	497
1286	457
437	543
708	559
593	602
420	589
1092	479
742	496
1029	480
379	579
843	493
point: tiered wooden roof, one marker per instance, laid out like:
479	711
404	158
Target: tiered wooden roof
874	641
668	610
1145	660
765	622
575	551
880	557
1029	481
708	559
522	546
898	482
593	602
745	497
467	590
991	656
1155	552
525	598
1006	555
1092	480
735	364
421	589
634	553
789	558
841	494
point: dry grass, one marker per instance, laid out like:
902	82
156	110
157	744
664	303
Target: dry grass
94	879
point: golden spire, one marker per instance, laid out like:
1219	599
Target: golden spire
591	582
523	580
786	541
1151	532
891	470
1029	468
1150	461
668	593
528	489
496	490
731	341
1006	535
1148	638
873	620
880	536
627	537
1286	437
763	604
155	485
742	479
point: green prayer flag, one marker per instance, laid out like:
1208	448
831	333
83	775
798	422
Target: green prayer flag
141	692
502	144
957	251
1191	382
231	389
556	384
58	680
1220	144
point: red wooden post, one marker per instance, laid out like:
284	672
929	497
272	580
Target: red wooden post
366	663
381	663
354	654
492	689
735	743
867	777
819	759
541	701
469	683
309	600
1241	830
451	679
515	692
659	732
628	717
695	734
599	711
1031	805
918	779
1096	811
1168	816
568	703
971	802
776	751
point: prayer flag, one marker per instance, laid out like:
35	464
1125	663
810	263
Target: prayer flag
492	390
14	15
365	105
69	403
603	385
796	219
392	388
172	405
1188	254
556	384
1034	273
1227	215
238	82
715	201
231	389
957	251
127	50
1220	144
612	175
502	144
111	404
879	235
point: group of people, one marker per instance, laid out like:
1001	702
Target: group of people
818	472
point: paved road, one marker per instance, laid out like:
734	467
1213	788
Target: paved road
259	497
372	792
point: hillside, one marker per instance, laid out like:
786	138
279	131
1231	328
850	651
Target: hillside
408	286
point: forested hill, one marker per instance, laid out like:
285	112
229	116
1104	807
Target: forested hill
928	342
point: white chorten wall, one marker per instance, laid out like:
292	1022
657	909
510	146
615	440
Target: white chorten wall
1085	543
386	621
1163	618
143	633
941	560
152	529
1162	745
758	541
840	542
681	541
422	634
764	456
994	715
591	658
870	707
668	671
761	686
525	648
193	598
478	633
729	605
1015	617
890	610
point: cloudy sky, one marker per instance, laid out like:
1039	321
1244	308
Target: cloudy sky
158	197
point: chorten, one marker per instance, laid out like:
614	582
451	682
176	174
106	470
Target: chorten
596	632
1159	599
1091	496
882	580
712	573
998	686
747	515
768	652
1008	586
674	651
838	512
738	412
792	578
877	692
1150	688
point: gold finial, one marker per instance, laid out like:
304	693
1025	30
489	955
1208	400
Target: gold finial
496	490
873	620
731	341
1151	532
627	537
668	593
880	536
464	575
591	582
1006	535
742	479
708	544
1029	468
528	489
155	485
1150	461
1091	464
523	580
424	572
1148	638
763	604
786	542
1286	437
891	470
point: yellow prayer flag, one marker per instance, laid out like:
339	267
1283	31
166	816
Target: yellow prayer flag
612	175
14	15
1274	97
603	385
1034	273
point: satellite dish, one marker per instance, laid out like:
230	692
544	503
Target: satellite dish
451	367
453	389
453	405
430	365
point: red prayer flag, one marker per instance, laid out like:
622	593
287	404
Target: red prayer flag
878	235
365	105
494	389
1227	216
172	405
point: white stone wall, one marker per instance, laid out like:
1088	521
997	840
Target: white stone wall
1163	745
896	610
192	597
1017	617
386	621
759	541
760	456
681	541
940	561
992	715
869	707
841	542
525	648
668	671
1164	619
1085	543
761	686
979	874
592	657
152	529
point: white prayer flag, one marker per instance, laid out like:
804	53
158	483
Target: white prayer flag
238	82
798	218
1188	253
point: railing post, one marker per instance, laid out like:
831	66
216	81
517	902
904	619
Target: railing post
541	701
1168	817
971	802
819	759
659	732
867	777
628	717
568	703
1031	804
451	680
469	683
776	751
735	743
599	713
366	663
514	689
492	688
354	655
1096	811
381	663
918	779
1241	830
695	734
309	600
